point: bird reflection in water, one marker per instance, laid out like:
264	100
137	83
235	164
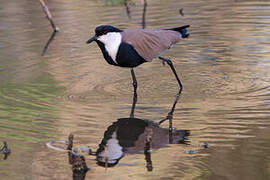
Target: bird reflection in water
134	136
128	136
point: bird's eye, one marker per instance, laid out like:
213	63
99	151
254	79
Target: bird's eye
105	32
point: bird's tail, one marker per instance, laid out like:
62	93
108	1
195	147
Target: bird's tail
182	30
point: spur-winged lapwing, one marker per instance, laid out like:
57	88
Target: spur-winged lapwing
132	47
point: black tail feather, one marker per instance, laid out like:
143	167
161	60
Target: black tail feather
182	30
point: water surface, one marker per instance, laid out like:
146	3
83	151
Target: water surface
224	67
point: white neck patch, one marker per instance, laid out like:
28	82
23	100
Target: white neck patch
114	149
112	41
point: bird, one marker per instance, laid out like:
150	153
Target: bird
130	48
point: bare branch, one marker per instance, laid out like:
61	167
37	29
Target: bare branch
144	13
49	15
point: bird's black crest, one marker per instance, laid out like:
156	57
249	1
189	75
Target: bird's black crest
104	29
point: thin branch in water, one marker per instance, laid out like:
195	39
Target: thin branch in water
5	150
70	141
144	14
181	12
55	28
127	5
48	43
79	166
49	15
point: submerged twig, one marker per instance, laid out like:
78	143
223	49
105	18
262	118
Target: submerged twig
48	43
55	28
70	141
5	150
181	12
144	14
79	166
49	15
127	5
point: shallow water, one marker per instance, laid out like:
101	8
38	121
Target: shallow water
224	67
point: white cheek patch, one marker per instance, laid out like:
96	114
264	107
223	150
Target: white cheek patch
112	41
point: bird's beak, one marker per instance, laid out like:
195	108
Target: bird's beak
91	39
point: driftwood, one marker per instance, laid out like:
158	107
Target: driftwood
49	15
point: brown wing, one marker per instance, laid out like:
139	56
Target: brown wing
150	43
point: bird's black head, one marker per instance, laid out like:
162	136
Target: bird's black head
102	30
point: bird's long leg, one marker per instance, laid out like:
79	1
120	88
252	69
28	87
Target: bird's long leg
169	62
134	94
170	118
170	114
134	80
147	148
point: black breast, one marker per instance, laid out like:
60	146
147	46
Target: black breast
127	56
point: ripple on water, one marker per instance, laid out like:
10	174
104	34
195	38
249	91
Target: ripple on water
27	109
